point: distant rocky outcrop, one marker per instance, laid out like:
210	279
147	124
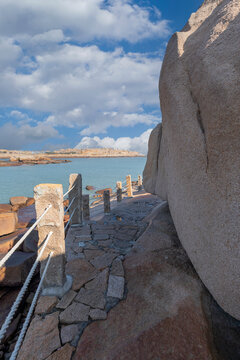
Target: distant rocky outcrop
193	160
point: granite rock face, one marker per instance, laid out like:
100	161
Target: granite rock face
198	148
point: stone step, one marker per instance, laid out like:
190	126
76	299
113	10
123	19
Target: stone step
8	223
16	269
8	241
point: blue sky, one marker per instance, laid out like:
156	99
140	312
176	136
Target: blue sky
83	72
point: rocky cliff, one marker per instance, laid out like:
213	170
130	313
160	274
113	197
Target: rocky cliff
193	160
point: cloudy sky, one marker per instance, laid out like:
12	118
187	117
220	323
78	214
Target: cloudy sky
83	72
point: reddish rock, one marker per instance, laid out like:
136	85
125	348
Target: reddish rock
81	271
8	241
30	201
64	353
162	316
68	333
42	338
5	208
45	304
8	222
18	200
16	269
26	216
102	191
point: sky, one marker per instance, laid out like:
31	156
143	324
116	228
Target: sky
83	73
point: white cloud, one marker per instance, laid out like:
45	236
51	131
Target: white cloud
85	20
139	143
86	87
15	137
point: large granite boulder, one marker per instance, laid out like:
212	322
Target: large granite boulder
198	149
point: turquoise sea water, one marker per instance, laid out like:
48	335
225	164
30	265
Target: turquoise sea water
101	173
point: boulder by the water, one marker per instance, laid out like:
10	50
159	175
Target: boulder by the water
90	187
8	223
194	162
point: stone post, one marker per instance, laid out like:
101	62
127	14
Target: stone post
86	210
129	186
106	199
75	180
119	191
44	195
139	183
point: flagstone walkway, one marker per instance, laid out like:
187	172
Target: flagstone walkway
95	254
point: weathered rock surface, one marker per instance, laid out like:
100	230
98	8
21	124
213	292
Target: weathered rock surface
198	155
75	313
42	338
64	353
8	241
16	269
18	200
162	316
45	304
68	333
8	223
81	271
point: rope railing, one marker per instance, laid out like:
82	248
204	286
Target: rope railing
67	192
22	292
14	248
69	206
67	224
30	312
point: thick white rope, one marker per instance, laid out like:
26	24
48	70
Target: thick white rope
14	248
28	318
66	226
19	298
69	206
66	193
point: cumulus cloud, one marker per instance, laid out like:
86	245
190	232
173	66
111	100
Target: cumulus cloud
86	87
139	143
47	64
15	137
85	20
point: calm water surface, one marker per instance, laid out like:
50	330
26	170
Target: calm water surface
20	180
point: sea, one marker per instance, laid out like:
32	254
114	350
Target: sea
98	172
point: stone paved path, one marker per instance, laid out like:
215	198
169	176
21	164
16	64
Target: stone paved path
95	254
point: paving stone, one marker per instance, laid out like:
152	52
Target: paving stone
122	244
71	255
42	338
68	333
81	271
83	238
64	353
66	299
75	247
99	237
100	282
103	261
96	314
45	304
105	231
105	243
91	254
75	313
92	297
116	286
117	268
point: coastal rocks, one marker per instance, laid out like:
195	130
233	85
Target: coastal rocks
5	208
18	200
8	241
198	154
8	223
42	338
16	269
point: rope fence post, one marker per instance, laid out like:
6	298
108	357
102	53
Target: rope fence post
140	183
119	191
106	199
129	186
55	282
86	210
75	183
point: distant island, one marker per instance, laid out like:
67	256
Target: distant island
17	158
